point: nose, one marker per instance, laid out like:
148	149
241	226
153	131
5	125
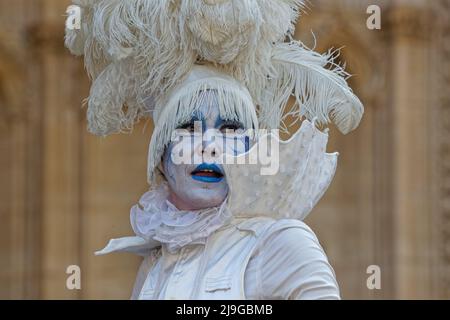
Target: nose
212	149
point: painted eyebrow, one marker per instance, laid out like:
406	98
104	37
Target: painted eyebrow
195	117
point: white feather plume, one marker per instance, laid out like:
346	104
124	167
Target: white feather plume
318	85
135	50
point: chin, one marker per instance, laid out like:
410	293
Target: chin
204	196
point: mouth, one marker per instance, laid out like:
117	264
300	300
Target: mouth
209	173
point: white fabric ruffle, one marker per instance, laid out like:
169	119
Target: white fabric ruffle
155	218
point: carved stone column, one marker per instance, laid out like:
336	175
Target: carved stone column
61	159
13	143
411	177
440	148
19	140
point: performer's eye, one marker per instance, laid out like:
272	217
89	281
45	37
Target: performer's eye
231	125
190	126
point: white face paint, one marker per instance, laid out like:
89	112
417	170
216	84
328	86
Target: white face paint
199	186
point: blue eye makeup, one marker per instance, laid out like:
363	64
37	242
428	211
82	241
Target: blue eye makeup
231	125
190	125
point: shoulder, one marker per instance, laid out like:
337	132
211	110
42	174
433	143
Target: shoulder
292	263
290	226
290	237
283	233
265	226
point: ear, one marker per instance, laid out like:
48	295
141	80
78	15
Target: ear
161	168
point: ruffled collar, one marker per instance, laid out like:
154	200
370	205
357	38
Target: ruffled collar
305	171
155	218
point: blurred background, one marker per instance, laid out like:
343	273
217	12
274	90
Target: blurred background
65	193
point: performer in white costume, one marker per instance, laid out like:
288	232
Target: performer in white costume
218	70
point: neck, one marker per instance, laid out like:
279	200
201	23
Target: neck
179	203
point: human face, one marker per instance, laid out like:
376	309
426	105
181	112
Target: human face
199	186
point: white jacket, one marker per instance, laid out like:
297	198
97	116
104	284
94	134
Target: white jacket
257	258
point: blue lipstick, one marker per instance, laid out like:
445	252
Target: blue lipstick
209	173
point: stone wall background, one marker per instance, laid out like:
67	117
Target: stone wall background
64	193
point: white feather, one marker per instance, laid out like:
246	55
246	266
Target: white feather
318	85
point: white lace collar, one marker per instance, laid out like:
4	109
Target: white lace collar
155	218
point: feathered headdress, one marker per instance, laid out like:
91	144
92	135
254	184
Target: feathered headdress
142	56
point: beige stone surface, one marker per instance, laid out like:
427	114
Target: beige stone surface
64	193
